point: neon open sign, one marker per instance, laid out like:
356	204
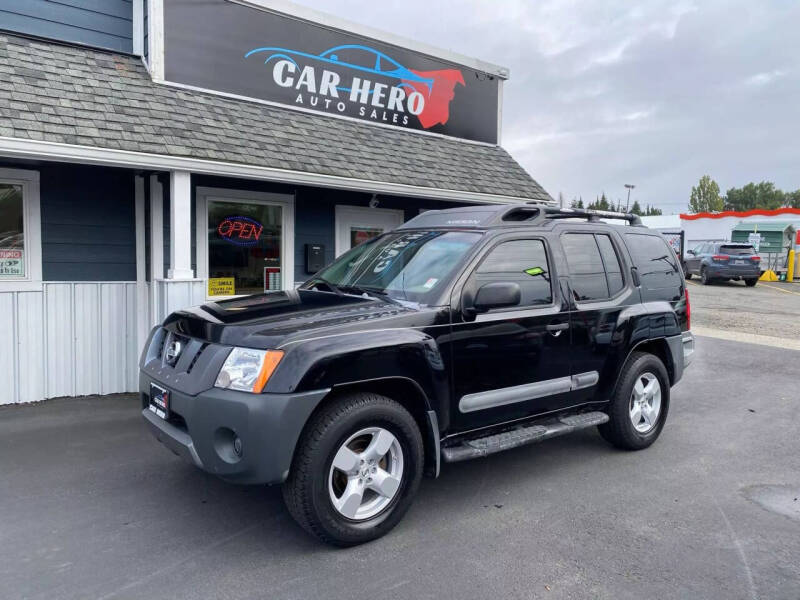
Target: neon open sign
242	231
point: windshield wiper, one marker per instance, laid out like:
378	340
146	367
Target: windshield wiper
332	286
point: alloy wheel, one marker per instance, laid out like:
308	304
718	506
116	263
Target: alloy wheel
366	473
645	404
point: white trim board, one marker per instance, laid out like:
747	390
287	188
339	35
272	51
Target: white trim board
315	17
34	149
285	201
32	231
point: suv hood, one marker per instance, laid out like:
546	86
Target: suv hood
268	320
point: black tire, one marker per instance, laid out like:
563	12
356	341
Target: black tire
751	282
704	278
686	274
619	431
306	490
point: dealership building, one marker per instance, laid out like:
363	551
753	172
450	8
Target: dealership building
155	154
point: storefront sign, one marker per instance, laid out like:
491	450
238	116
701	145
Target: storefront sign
222	286
12	262
229	47
242	231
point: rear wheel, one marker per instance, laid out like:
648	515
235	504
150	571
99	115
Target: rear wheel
356	470
639	407
704	276
751	282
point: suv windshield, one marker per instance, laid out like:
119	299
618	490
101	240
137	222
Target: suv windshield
409	265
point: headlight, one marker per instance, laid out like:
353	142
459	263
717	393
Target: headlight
248	370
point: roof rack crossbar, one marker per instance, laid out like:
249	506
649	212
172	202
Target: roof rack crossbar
555	212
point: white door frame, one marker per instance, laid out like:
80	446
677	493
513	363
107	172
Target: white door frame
364	216
285	201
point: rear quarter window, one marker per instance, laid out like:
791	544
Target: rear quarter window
657	265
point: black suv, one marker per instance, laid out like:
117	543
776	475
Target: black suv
463	333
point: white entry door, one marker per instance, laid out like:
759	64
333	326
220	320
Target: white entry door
357	224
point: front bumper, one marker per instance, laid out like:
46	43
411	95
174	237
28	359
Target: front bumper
202	430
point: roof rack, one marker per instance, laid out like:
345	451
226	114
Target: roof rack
593	216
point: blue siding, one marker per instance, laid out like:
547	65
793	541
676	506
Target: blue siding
88	223
102	23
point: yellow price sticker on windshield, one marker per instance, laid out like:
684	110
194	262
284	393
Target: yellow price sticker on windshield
534	271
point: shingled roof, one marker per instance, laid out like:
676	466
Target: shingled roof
88	97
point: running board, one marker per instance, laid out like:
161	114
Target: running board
534	432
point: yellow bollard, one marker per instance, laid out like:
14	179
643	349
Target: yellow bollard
790	267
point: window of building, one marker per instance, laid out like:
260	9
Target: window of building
244	247
12	232
20	231
520	261
245	241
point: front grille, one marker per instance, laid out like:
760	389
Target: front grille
203	346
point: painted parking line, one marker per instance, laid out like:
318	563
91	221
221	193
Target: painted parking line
779	289
748	338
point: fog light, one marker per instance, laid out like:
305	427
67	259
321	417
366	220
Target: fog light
228	445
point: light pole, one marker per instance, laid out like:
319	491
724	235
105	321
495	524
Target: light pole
630	186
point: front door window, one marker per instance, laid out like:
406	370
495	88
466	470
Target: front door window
244	247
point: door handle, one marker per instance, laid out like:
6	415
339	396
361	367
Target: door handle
556	328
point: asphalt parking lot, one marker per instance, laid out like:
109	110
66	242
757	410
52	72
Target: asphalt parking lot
769	309
95	508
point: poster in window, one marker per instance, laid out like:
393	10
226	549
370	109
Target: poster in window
12	231
12	262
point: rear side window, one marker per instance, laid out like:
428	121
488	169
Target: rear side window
594	268
658	269
520	261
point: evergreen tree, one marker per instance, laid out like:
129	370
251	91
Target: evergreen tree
705	196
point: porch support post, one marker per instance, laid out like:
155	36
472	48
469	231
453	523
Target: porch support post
156	229
180	236
142	302
156	247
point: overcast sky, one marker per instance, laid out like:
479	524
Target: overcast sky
654	93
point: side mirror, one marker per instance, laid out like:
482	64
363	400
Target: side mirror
692	252
497	295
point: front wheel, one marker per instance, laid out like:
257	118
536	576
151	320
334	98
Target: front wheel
356	470
639	407
686	273
751	282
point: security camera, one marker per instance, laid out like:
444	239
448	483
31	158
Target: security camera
373	202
